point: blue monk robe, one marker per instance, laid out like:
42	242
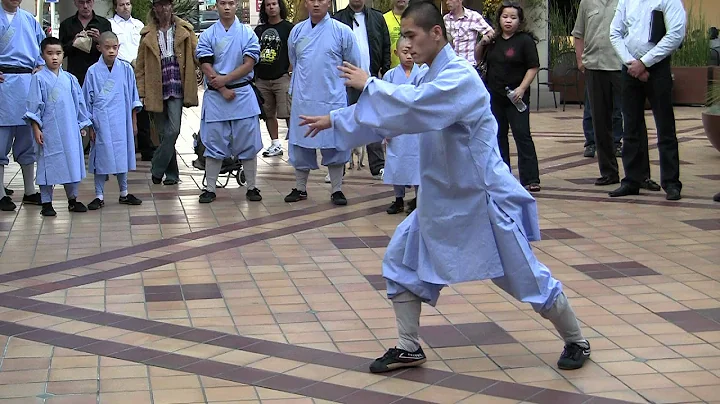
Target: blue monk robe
473	219
316	86
230	128
402	163
110	97
19	48
56	103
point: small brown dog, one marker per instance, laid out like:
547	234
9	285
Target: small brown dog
360	153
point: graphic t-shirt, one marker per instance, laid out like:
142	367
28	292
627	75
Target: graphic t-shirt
393	23
274	61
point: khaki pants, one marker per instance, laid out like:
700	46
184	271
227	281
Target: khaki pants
277	99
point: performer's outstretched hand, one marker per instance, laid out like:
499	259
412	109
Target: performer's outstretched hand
354	76
315	124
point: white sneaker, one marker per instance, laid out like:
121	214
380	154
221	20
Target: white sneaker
380	175
327	178
273	150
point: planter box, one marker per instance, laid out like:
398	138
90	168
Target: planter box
568	94
691	85
711	124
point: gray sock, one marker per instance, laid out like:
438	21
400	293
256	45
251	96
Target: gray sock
250	169
336	177
407	308
562	316
301	179
28	173
212	170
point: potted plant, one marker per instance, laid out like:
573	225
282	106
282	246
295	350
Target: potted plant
711	116
690	62
561	55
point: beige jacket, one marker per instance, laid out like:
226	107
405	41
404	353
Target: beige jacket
148	72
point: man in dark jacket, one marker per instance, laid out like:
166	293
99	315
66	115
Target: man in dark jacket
373	40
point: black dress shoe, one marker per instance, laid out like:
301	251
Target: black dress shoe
716	198
650	185
607	181
624	190
672	194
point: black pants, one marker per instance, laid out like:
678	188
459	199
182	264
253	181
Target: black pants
144	141
658	90
602	87
506	116
376	157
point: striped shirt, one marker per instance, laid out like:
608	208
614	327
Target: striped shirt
171	78
464	31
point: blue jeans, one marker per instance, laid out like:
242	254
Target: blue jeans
617	119
167	123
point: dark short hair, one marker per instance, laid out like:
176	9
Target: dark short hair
521	16
50	40
425	15
263	13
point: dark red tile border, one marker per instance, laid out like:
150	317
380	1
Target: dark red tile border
219	370
713	177
704	224
179	293
345	243
6	226
190	253
467	383
377	281
559	234
694	320
158	244
615	270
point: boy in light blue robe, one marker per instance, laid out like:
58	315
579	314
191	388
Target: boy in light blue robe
474	220
229	123
112	101
316	47
20	37
402	163
56	111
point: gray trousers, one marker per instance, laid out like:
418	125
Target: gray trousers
167	123
407	308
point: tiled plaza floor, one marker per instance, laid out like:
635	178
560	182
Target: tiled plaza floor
177	302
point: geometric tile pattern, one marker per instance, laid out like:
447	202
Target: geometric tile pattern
178	302
615	270
443	336
178	293
695	321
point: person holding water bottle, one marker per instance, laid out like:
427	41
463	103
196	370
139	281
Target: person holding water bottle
512	63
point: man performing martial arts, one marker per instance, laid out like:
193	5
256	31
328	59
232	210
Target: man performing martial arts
20	37
230	123
316	47
474	220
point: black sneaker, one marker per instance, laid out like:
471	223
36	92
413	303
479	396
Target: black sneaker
130	199
75	206
6	204
650	185
397	206
207	197
396	358
33	199
47	209
411	205
589	151
253	195
673	194
338	198
574	356
618	150
96	204
296	195
156	180
9	191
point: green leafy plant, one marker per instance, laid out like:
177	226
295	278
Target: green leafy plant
713	98
695	48
559	39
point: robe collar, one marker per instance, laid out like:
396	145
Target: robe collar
441	60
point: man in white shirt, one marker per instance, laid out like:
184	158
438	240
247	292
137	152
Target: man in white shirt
373	41
463	25
645	47
127	30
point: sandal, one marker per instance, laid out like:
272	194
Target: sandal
533	187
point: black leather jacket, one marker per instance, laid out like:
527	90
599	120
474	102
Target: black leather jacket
378	37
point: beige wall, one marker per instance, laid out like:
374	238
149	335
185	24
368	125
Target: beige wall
710	10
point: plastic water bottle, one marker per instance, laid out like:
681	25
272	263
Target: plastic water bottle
520	105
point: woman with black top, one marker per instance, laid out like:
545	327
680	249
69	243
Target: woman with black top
512	62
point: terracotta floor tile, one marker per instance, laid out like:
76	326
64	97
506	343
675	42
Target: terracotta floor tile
135	397
437	394
668	395
126	385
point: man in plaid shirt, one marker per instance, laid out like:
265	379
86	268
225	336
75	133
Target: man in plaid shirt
464	25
